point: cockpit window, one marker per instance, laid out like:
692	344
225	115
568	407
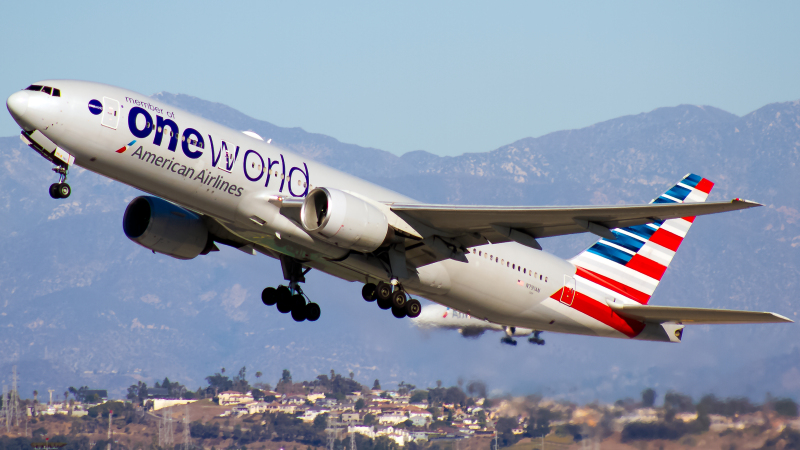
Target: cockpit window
46	89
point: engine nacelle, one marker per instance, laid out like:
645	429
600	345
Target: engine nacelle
517	331
166	228
345	220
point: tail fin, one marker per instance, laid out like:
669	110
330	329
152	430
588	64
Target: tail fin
632	265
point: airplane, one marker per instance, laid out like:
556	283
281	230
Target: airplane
210	184
442	317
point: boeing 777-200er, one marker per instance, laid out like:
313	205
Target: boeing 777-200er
214	185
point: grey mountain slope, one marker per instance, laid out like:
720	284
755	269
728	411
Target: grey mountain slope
80	304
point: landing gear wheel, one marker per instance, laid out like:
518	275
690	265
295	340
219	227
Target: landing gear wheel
384	304
298	308
284	299
398	299
312	312
413	308
398	312
269	296
54	190
369	292
384	291
64	190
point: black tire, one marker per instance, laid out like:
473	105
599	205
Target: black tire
369	292
64	190
399	299
413	308
398	312
269	296
384	304
299	312
384	291
54	190
312	312
284	299
298	302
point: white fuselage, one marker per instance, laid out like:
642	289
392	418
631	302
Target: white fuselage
211	177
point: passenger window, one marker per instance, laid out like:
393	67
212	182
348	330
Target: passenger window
502	261
545	279
540	278
56	92
47	90
480	253
524	270
519	268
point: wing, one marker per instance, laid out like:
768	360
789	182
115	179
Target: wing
499	223
699	316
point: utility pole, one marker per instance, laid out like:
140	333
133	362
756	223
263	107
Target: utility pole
352	439
5	407
187	435
51	396
15	413
331	433
110	415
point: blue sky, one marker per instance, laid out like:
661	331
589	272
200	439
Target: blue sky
446	77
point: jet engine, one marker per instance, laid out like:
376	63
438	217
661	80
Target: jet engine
166	228
345	220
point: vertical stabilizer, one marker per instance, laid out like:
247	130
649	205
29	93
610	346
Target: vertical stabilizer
629	268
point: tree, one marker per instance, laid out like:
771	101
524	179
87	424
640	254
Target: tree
677	402
418	396
258	375
648	397
538	423
438	383
786	407
360	403
376	386
352	375
369	419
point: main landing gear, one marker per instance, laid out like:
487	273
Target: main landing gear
291	299
534	339
392	297
60	189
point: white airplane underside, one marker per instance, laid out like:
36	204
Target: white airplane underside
215	185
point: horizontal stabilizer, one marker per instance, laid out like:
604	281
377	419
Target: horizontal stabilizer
699	316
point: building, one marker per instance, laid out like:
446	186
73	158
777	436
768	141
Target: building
234	398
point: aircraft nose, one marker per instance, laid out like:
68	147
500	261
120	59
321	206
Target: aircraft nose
17	105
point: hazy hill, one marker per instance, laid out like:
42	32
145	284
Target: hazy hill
78	300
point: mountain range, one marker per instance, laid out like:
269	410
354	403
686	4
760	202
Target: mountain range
82	305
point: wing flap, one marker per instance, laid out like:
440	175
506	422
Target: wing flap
698	316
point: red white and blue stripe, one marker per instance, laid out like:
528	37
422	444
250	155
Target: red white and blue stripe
629	268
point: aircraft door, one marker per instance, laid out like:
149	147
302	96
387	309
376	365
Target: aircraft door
110	113
568	293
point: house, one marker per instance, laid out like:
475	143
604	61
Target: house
311	413
348	417
234	398
365	430
391	418
294	400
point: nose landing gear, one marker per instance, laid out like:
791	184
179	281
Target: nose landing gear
392	297
60	189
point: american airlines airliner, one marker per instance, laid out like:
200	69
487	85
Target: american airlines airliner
211	185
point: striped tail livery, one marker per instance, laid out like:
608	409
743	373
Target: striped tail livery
629	267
